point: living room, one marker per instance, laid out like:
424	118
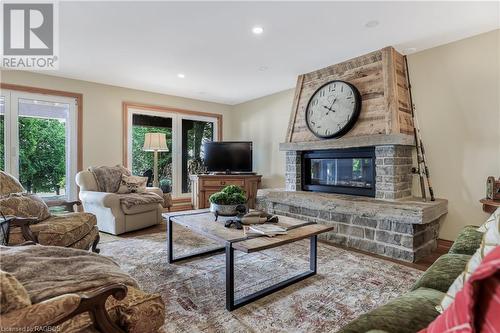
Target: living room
250	166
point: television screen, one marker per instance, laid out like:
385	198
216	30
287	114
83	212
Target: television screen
228	156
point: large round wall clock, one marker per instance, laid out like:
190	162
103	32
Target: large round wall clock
333	109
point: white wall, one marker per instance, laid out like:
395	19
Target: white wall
264	121
456	91
102	111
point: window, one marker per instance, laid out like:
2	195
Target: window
186	132
38	142
194	134
142	161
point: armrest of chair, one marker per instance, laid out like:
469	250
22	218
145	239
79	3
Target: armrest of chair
57	310
46	313
24	224
155	190
68	205
103	199
94	302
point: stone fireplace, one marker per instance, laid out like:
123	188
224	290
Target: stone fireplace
361	182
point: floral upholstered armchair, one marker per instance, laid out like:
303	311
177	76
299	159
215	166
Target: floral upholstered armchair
34	222
77	292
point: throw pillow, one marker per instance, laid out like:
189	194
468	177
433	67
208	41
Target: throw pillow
24	205
13	295
9	184
132	184
108	178
491	220
491	240
476	306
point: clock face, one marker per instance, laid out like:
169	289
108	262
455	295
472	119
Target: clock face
333	109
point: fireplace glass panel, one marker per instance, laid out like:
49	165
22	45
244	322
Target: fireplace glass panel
350	172
344	171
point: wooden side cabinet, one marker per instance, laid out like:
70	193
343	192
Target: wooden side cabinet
203	186
489	206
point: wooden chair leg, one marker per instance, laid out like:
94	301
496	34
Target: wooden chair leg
94	244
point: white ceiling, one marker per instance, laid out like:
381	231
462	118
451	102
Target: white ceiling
144	45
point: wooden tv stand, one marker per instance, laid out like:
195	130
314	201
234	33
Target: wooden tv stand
203	186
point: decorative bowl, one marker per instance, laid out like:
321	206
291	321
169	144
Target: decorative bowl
225	210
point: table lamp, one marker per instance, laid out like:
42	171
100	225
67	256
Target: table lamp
155	142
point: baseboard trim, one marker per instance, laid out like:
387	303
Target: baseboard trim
444	243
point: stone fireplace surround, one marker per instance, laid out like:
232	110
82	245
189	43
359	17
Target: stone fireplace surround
393	224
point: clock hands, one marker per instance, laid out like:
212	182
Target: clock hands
329	109
331	106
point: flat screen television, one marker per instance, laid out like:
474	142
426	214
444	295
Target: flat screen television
226	156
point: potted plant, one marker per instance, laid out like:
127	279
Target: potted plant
224	203
165	185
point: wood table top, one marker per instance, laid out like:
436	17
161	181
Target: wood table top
203	222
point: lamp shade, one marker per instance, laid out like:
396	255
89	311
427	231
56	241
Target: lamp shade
155	142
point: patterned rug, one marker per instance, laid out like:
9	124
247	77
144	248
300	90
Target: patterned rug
347	284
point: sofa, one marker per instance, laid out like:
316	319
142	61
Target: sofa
57	289
416	309
113	215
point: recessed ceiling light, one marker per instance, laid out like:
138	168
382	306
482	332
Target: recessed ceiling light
257	30
181	75
263	68
409	50
372	24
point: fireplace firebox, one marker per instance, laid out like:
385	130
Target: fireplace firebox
344	171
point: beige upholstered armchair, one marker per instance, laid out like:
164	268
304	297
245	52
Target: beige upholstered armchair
119	213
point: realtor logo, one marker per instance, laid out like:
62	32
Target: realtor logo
29	36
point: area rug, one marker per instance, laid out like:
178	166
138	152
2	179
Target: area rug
347	284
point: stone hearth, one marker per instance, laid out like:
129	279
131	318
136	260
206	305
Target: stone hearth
405	229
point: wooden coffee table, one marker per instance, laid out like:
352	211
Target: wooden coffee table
203	223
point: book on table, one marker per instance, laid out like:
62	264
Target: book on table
265	230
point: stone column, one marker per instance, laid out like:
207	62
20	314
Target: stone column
293	171
393	170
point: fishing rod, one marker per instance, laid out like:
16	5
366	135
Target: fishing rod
421	169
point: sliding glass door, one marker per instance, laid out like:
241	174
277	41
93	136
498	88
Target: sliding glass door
39	142
185	134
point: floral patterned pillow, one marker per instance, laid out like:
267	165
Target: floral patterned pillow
13	295
24	205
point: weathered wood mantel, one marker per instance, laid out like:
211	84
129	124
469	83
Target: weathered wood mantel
380	77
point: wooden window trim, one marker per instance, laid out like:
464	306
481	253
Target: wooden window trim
79	112
150	107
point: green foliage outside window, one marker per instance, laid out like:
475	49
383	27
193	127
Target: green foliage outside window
42	154
144	160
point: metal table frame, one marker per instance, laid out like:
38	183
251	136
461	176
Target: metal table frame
231	302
